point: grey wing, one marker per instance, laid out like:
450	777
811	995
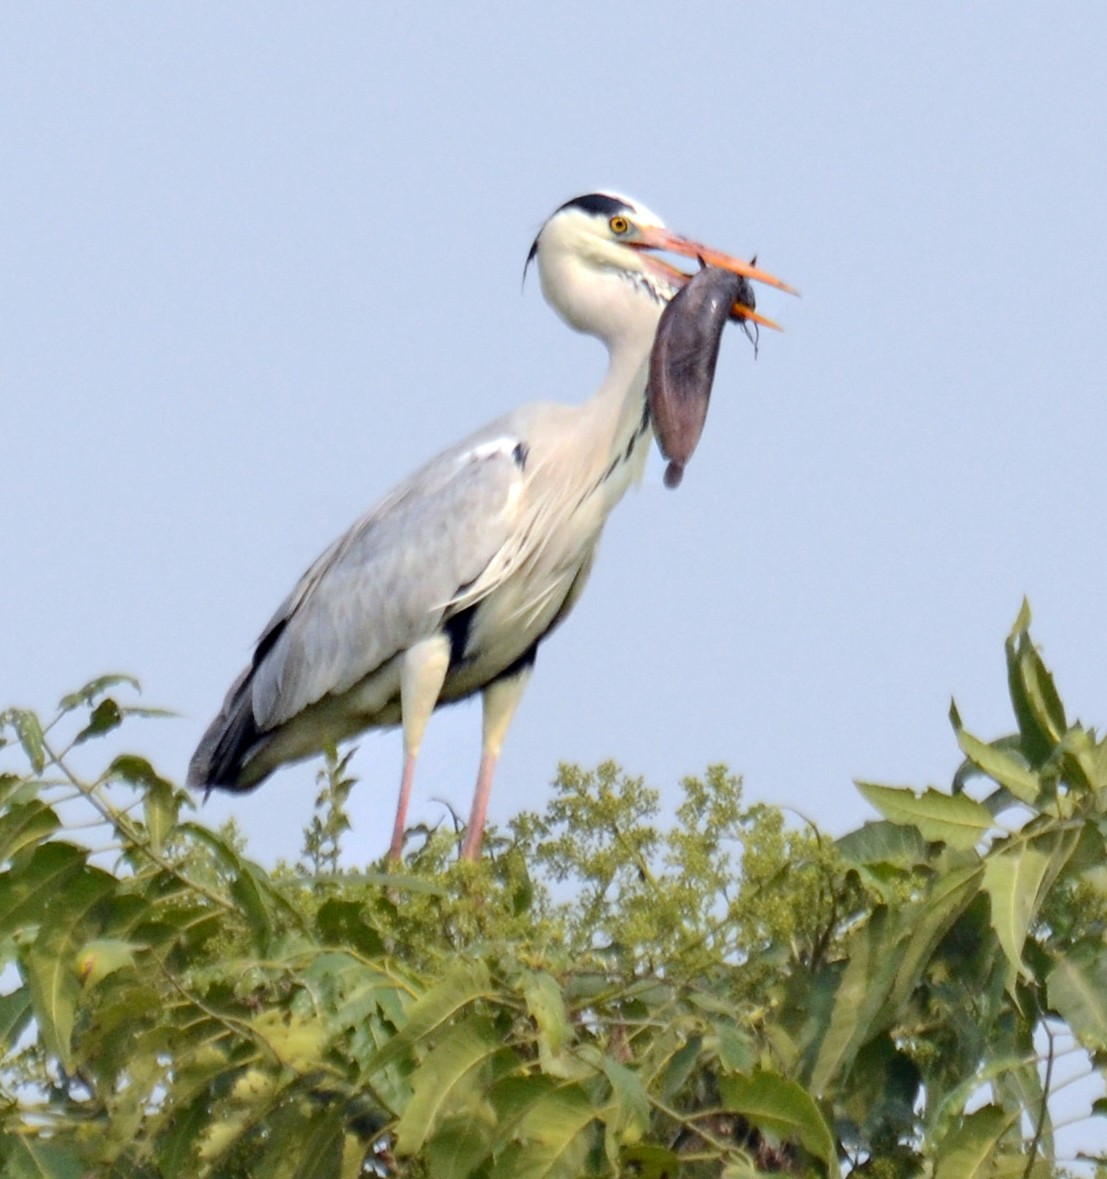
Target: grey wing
389	581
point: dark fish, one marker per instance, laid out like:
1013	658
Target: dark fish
682	361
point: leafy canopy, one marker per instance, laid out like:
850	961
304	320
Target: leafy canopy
602	995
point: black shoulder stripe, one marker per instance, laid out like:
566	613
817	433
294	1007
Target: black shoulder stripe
457	631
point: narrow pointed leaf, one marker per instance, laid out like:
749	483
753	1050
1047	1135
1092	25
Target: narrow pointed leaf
645	1161
546	1006
94	688
15	1012
28	731
23	826
1077	990
435	1083
159	809
1013	879
463	983
138	772
14	788
871	962
883	842
782	1107
51	962
457	1149
629	1117
1005	767
968	1152
24	897
928	926
29	1157
107	715
954	819
320	1148
1038	707
551	1139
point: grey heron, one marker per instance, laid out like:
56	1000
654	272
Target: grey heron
449	585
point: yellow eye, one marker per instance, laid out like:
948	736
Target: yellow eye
619	225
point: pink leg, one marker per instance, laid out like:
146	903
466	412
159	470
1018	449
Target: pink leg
395	849
500	700
424	668
470	848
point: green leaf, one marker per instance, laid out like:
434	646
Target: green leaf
1019	1084
1004	766
435	1083
871	961
159	810
645	1161
176	1147
463	983
1014	1166
1016	878
1083	759
1012	880
347	923
15	1013
299	1043
246	892
1077	990
629	1117
106	716
26	894
968	1152
51	961
23	826
673	1058
551	1138
103	956
94	688
28	731
954	819
735	1049
742	1168
30	1157
457	1149
781	1106
137	771
927	925
15	789
884	842
1038	707
314	1153
547	1008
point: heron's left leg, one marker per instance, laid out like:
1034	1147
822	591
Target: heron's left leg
500	699
421	678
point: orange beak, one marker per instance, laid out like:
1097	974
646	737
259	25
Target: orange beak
655	238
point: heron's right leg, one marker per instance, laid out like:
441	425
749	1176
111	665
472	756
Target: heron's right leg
421	678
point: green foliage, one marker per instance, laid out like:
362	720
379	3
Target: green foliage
604	994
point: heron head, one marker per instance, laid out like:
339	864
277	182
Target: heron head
599	264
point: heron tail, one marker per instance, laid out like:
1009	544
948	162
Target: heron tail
222	759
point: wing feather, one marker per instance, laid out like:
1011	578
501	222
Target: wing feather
388	581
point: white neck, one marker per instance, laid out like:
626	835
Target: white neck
595	292
612	418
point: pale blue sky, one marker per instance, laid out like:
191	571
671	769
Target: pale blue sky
259	261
